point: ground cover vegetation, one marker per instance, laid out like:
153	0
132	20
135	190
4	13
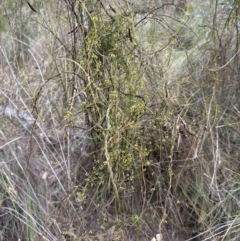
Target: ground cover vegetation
119	120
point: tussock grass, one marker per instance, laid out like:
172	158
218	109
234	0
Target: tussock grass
119	121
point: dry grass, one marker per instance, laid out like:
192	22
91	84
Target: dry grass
119	121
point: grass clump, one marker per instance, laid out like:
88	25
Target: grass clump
120	121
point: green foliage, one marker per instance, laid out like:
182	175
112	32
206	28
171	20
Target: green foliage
115	103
